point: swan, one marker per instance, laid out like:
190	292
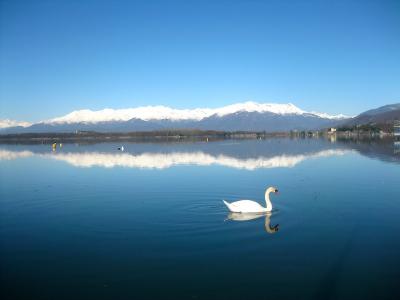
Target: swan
248	206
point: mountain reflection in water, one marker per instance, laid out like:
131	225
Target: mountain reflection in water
247	155
162	161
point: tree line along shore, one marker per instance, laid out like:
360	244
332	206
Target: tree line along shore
176	135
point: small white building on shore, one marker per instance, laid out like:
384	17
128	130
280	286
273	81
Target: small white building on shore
396	128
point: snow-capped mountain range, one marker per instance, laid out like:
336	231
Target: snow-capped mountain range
240	116
148	113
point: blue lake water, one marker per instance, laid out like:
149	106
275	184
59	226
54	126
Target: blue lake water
92	222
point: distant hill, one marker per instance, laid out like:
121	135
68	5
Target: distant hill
383	116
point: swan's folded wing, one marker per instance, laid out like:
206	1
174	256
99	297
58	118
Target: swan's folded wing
246	206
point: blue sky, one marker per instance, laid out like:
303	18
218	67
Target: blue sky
330	56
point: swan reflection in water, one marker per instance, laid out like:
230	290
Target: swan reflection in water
252	216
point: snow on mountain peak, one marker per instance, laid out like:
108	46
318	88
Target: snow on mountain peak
332	117
160	112
251	106
145	113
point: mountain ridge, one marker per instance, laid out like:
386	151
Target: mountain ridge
160	112
247	116
381	115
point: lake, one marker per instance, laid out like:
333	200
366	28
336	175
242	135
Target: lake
87	221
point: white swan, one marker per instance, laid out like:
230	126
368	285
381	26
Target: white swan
248	206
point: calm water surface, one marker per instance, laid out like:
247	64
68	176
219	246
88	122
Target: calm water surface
92	222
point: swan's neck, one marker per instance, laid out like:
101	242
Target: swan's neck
268	203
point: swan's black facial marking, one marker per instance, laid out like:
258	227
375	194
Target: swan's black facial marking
276	191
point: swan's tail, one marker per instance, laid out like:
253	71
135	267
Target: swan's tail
228	205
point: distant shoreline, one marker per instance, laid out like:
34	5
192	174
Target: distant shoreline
142	136
175	135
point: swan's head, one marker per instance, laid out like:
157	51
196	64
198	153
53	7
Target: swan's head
272	189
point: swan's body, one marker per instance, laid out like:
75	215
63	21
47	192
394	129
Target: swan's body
245	206
249	206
